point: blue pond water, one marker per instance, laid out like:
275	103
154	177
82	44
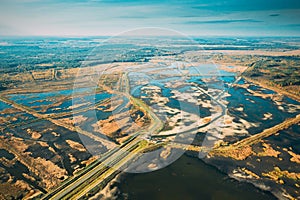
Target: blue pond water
4	106
255	108
37	100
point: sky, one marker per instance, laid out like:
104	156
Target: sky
112	17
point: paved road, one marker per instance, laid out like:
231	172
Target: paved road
83	181
110	163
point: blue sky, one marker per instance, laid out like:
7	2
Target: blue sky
110	17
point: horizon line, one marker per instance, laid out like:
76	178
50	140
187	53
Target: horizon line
116	35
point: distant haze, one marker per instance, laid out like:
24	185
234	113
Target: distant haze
110	17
